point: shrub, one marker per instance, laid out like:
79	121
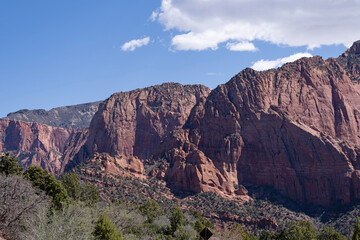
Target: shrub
9	165
105	229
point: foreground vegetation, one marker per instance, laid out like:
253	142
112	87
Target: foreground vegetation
35	205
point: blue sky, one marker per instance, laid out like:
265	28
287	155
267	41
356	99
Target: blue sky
59	53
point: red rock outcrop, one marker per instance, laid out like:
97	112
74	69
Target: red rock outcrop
35	143
295	129
129	125
134	123
132	167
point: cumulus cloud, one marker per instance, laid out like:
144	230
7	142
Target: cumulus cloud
204	24
133	44
262	65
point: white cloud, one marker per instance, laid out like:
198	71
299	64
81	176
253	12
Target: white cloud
262	65
241	46
204	24
133	44
154	15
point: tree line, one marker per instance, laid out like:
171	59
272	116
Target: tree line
36	205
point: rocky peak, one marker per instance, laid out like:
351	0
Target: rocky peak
134	123
350	62
294	129
355	48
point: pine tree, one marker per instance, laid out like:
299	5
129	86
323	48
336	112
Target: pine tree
151	210
177	219
41	179
356	235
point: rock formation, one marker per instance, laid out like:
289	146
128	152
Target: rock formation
35	143
295	129
77	116
134	123
128	126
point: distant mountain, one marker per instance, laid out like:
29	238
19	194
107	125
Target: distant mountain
77	116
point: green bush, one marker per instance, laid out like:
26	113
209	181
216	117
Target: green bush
9	165
151	210
41	179
105	229
78	190
177	219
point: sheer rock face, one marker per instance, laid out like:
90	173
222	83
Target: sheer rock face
134	123
35	143
295	129
129	125
77	116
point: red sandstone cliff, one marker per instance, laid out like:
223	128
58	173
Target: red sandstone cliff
35	143
295	129
126	125
134	123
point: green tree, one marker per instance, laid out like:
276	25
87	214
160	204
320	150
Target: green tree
201	219
71	182
182	234
89	193
9	165
78	190
151	210
302	230
265	235
41	179
105	229
356	235
328	233
177	219
198	226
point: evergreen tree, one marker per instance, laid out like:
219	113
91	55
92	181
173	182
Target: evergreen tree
78	190
177	219
71	182
89	194
265	235
151	210
356	235
105	229
329	233
41	179
302	230
9	165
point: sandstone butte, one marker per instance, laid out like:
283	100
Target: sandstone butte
295	129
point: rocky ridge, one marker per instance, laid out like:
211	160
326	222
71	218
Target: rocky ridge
143	119
76	116
294	129
134	123
35	143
